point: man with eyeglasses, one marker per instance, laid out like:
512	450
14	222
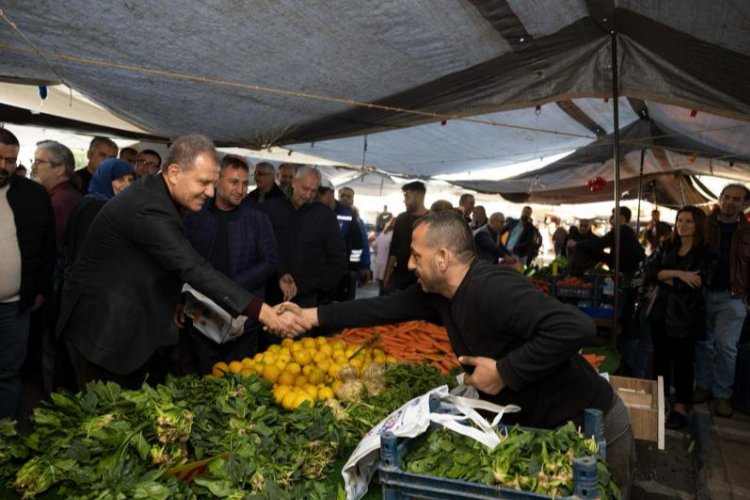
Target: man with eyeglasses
100	149
263	175
27	256
53	168
146	163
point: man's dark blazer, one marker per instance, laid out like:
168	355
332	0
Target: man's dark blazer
117	305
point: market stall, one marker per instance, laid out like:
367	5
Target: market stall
279	425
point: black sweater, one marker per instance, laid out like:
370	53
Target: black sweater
496	313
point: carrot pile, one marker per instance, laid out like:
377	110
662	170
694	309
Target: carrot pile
594	359
409	341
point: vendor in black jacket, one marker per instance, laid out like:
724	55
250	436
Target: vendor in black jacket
520	345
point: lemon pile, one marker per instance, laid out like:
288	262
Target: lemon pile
306	370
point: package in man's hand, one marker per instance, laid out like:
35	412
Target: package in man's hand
210	319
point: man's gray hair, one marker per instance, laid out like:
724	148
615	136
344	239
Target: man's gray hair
496	216
448	229
59	155
306	170
184	150
264	165
96	141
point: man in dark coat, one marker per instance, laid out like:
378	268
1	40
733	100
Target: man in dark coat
117	305
312	257
237	239
27	253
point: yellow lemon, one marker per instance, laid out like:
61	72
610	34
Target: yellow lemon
258	357
271	373
280	391
303	357
339	345
280	364
287	402
247	372
341	358
235	366
317	376
391	360
321	341
297	346
325	393
274	348
247	362
287	342
326	349
294	368
303	398
309	343
306	370
300	381
311	390
318	357
219	369
333	370
286	377
323	365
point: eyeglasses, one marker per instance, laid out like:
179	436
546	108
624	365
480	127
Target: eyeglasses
147	164
8	160
37	162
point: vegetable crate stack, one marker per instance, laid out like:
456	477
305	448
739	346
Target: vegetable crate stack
528	463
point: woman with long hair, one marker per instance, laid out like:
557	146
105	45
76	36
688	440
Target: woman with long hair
680	268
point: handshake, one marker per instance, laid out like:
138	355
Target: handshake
288	319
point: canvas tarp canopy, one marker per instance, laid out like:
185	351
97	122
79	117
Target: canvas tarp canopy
430	87
700	145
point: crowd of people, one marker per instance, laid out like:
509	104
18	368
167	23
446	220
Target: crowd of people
95	259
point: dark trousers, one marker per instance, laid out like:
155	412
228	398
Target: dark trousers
86	371
14	333
673	360
198	354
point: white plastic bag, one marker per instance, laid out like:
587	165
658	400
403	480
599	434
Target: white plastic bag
411	420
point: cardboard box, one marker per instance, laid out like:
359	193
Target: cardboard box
644	400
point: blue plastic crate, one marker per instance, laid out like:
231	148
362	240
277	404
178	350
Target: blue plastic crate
397	484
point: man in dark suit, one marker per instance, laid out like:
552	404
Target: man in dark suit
117	305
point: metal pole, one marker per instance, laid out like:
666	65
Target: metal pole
640	193
616	119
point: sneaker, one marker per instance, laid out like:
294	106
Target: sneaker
723	408
676	420
701	395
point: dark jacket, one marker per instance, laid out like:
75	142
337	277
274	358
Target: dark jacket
528	243
310	245
580	261
35	227
681	308
488	245
75	233
348	219
117	305
631	252
739	274
497	313
252	247
275	192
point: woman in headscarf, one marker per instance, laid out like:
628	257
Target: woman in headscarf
111	177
